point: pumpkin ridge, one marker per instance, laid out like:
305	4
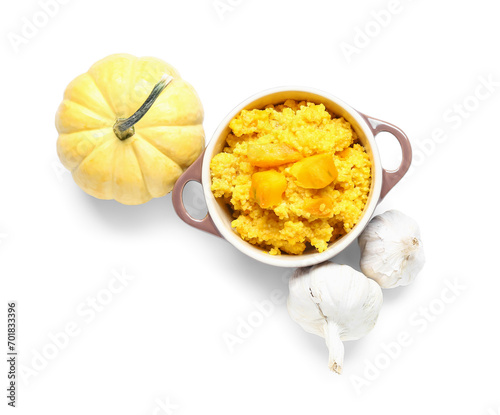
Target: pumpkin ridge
141	169
102	142
71	136
131	87
145	140
157	149
105	101
75	170
105	97
167	154
98	116
146	127
113	166
88	155
89	130
164	124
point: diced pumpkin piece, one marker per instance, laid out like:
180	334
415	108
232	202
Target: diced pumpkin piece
271	154
320	207
267	188
314	172
346	152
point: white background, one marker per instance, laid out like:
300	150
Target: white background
162	338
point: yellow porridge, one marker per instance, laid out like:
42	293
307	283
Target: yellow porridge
293	175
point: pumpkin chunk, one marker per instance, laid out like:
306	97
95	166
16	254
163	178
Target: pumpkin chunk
346	152
320	207
271	154
314	172
267	188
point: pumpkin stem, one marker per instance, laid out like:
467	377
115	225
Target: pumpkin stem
124	127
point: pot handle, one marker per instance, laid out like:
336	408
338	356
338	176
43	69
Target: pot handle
392	177
193	173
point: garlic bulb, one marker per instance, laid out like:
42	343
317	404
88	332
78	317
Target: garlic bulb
391	249
335	302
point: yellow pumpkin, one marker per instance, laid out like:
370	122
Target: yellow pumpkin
128	128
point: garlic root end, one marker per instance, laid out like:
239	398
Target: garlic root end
335	348
334	367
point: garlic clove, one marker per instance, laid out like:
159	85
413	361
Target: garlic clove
391	249
303	305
